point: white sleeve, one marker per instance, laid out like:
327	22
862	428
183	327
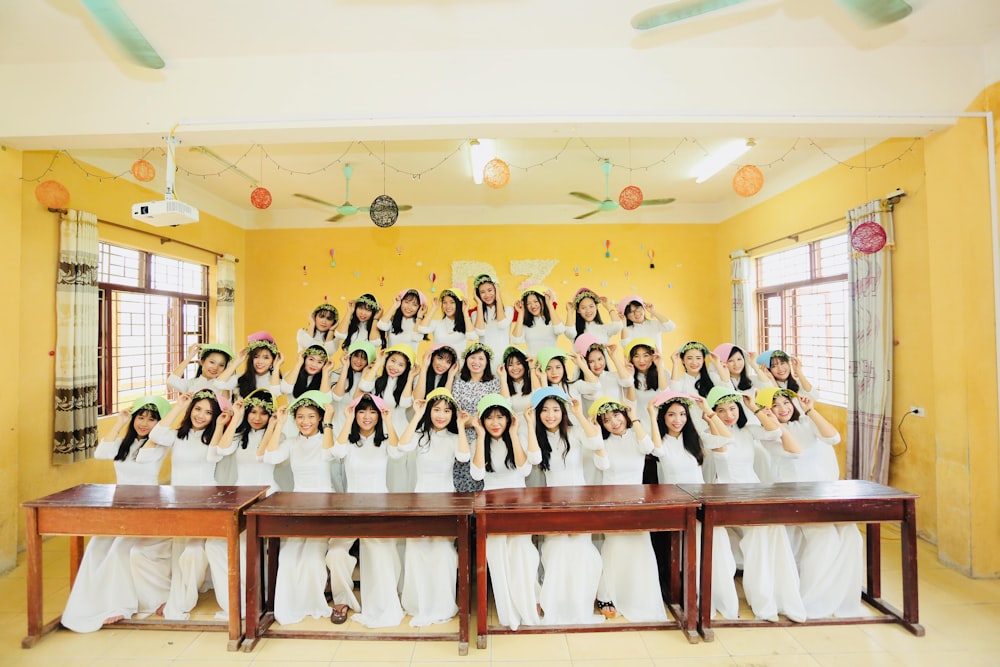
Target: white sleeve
603	462
179	384
163	436
366	386
150	454
477	473
303	339
408	445
525	470
462	457
384	326
614	328
535	457
279	455
646	445
339	451
667	327
107	449
226	385
710	441
286	388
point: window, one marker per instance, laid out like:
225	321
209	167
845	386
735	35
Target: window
802	309
152	308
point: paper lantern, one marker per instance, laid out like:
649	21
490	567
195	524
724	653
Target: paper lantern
630	198
748	181
143	171
496	173
260	197
384	211
868	237
52	194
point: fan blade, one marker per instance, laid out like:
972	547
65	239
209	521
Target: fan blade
405	207
119	26
879	12
657	202
678	11
585	197
587	215
363	209
315	200
335	218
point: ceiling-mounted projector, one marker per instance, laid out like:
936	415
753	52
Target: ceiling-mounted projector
168	212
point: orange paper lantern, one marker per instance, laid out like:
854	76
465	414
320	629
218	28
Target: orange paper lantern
630	198
260	197
143	171
496	173
52	194
748	180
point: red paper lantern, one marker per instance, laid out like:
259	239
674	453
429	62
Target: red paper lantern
748	181
496	173
52	194
630	198
260	197
868	237
143	171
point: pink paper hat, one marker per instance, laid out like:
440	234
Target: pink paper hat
623	304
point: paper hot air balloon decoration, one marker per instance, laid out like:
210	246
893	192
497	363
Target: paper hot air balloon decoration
332	263
607	248
651	254
433	278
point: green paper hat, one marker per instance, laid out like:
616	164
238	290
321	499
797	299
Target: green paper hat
158	403
490	400
511	349
718	395
547	354
368	348
209	348
314	397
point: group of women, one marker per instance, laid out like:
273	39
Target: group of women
493	402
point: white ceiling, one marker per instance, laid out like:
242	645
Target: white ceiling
311	79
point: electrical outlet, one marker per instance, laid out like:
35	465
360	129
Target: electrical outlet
918	411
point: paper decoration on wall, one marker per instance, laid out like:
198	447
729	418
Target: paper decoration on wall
651	254
399	251
576	270
630	198
868	237
332	263
383	211
357	273
381	281
604	283
52	194
143	171
496	173
536	270
463	271
260	198
305	270
433	277
607	248
748	180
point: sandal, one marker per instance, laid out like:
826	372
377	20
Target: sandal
339	614
607	608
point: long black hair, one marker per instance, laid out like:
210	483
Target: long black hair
209	432
581	324
505	436
542	433
354	437
486	308
244	430
744	382
459	317
306	382
605	433
790	383
651	376
396	324
248	380
355	324
130	435
382	380
529	319
689	434
433	379
526	382
425	428
704	383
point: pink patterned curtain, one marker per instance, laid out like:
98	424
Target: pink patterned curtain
869	402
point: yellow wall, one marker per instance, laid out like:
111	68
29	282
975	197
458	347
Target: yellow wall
10	297
39	242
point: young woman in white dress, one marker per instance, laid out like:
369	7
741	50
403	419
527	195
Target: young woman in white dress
242	441
681	452
637	325
390	378
695	371
614	379
585	316
303	562
572	564
648	375
743	378
440	361
262	369
630	581
517	381
454	327
321	329
212	360
501	462
831	555
785	372
365	444
105	591
491	318
399	323
437	434
189	466
474	381
770	577
552	364
361	325
537	324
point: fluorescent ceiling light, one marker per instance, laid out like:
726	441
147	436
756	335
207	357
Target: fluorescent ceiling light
481	151
714	163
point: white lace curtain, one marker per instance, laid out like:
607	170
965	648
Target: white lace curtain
740	266
75	424
225	311
869	403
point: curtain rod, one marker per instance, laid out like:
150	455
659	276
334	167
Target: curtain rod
163	239
795	236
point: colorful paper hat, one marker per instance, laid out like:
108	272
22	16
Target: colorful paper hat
444	346
547	354
456	293
511	349
403	349
490	400
380	404
224	403
695	345
583	293
584	342
718	395
764	358
158	403
623	304
259	336
478	347
765	397
636	342
441	392
209	348
540	290
314	397
672	397
418	293
605	404
723	351
364	346
540	395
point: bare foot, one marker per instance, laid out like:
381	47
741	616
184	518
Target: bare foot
113	619
159	610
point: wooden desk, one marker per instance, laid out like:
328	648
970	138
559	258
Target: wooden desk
140	511
360	515
589	509
845	501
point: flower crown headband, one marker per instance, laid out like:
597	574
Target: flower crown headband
367	301
611	406
315	351
482	278
686	402
328	306
477	347
204	393
257	344
728	398
584	294
695	346
251	402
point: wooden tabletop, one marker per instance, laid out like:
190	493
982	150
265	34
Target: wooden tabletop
782	492
365	504
114	496
582	497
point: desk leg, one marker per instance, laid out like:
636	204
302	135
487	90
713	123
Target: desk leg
705	601
464	579
254	571
690	566
908	529
235	603
874	558
677	563
34	558
481	620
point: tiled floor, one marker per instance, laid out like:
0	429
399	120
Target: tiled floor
961	616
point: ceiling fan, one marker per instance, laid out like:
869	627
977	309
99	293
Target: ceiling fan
119	26
609	204
877	12
347	208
